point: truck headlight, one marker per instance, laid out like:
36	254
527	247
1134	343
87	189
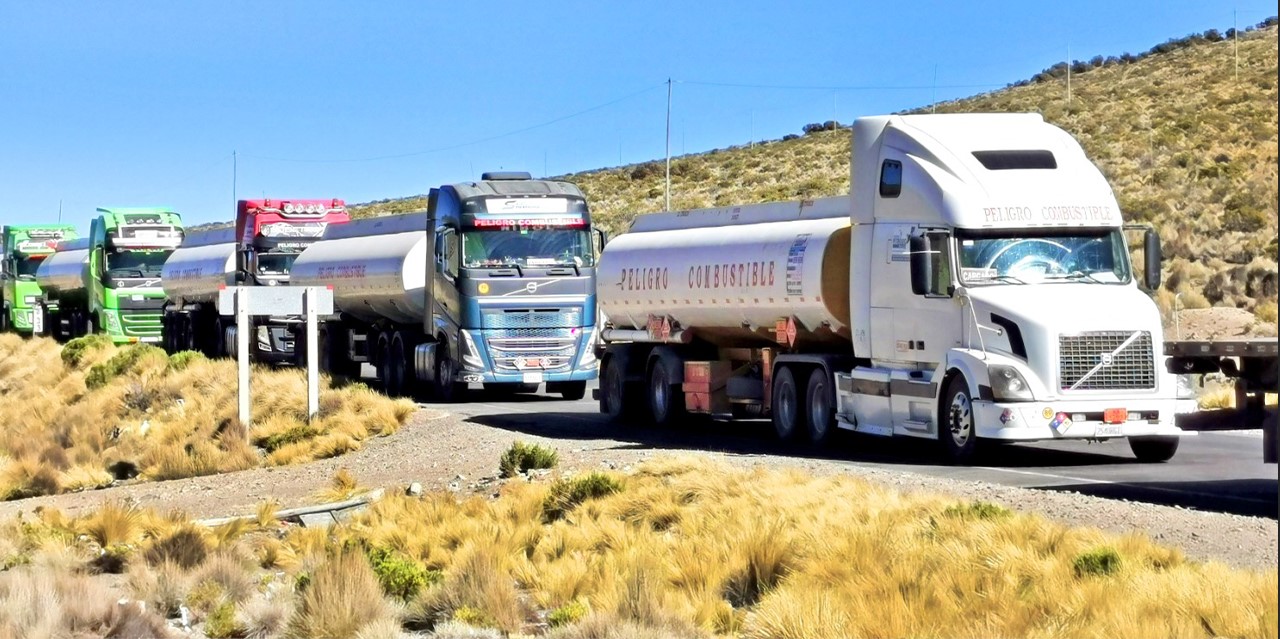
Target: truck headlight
588	357
1186	387
470	354
113	323
30	300
1007	384
264	339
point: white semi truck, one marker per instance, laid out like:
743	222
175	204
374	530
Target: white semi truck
975	286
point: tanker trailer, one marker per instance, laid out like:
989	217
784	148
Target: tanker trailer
697	300
62	310
259	250
510	263
974	286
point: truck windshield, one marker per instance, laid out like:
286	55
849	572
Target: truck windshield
125	264
26	266
1095	256
275	263
527	248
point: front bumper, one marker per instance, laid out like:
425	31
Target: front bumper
1075	419
527	377
21	319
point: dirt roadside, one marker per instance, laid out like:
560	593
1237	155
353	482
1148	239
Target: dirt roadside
446	451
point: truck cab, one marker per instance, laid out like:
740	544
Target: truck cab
22	249
128	248
258	249
517	259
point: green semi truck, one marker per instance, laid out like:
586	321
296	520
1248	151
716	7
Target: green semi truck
110	281
22	249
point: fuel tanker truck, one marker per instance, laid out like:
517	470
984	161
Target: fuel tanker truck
494	284
975	286
22	249
109	281
259	250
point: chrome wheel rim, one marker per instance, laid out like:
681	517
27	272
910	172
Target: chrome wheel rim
961	421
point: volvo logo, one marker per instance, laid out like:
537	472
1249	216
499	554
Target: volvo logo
1107	358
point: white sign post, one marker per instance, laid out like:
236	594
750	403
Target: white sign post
245	302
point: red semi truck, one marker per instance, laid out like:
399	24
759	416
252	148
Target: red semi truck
268	236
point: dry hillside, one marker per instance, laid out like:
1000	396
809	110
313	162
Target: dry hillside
1187	145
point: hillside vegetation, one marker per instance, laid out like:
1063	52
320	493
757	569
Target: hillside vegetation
89	414
679	548
1186	145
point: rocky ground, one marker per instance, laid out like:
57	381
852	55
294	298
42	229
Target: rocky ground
445	451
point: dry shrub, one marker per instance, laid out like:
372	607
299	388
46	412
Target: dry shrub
266	617
186	547
342	486
113	524
343	597
114	413
132	621
164	587
234	575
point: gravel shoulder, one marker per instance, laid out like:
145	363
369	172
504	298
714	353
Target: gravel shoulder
445	451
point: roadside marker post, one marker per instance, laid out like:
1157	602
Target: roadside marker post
245	302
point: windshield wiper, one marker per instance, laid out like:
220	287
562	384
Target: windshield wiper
506	265
1078	275
1008	279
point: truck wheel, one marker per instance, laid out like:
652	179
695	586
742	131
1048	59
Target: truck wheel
617	399
788	414
4	320
381	353
957	424
394	382
666	402
445	390
573	391
822	407
1152	450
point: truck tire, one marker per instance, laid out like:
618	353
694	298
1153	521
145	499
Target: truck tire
822	407
666	401
618	399
573	391
957	424
1153	450
4	320
444	389
393	381
788	413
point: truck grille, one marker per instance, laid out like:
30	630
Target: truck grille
1131	368
139	323
531	349
520	318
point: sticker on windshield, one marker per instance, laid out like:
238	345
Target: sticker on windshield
978	273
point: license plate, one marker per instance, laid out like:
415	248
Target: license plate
1109	430
37	321
1115	416
533	378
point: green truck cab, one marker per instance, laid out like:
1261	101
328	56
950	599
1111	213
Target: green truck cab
22	249
111	283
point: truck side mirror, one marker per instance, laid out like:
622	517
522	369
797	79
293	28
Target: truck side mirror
921	265
1151	251
601	238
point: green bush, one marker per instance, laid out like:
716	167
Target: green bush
572	612
977	510
522	457
221	622
75	350
183	359
294	434
400	576
566	494
1097	562
120	363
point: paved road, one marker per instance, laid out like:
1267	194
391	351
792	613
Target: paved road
1220	472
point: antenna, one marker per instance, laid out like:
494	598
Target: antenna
668	188
59	210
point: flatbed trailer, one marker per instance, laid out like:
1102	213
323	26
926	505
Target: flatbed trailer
1253	364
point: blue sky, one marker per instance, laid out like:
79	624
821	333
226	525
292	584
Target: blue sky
144	103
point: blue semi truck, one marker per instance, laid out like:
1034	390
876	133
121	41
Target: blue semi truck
494	284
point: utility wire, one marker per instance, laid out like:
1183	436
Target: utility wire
462	144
